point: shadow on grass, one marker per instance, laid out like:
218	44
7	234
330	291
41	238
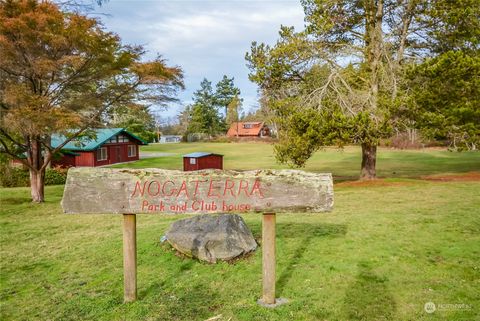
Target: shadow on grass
369	298
153	289
197	302
309	232
15	200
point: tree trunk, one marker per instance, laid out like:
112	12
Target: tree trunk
37	183
37	170
369	160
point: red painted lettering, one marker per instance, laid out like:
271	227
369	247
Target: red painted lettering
172	191
195	206
139	189
230	188
257	189
196	186
184	189
212	189
151	191
243	188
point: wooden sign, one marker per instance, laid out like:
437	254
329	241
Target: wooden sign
157	191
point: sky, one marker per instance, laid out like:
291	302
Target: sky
207	39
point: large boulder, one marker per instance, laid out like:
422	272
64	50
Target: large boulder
212	237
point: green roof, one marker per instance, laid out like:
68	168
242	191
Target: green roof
86	144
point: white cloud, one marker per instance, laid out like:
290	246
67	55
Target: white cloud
206	38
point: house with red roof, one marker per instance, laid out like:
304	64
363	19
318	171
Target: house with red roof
248	129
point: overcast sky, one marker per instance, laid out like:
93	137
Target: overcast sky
206	38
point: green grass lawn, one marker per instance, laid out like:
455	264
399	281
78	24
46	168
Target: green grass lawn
344	164
380	255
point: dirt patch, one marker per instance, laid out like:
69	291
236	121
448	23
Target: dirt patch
464	177
380	182
374	182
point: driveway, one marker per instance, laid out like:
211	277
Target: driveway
154	154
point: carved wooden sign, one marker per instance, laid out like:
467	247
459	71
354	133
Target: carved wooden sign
157	191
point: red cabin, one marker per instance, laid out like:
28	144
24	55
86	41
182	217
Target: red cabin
200	160
249	129
110	146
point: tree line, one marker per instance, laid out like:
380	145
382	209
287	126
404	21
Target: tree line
212	111
204	115
358	72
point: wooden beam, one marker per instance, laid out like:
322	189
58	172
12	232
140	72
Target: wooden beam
160	191
268	258
129	257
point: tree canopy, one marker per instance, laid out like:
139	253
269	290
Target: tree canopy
444	89
225	92
342	80
60	73
205	112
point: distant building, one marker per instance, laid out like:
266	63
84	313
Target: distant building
248	129
170	139
111	146
201	160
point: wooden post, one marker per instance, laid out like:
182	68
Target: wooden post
268	258
129	257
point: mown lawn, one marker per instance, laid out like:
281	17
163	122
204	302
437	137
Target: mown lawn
344	164
380	255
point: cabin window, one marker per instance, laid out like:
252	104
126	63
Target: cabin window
132	150
123	139
113	139
102	154
247	126
193	161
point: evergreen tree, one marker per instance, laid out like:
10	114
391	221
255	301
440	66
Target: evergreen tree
225	92
234	109
445	88
204	114
341	80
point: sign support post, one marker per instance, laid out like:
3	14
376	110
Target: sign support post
129	257
268	257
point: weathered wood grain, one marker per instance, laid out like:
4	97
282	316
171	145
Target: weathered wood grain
129	257
268	258
156	191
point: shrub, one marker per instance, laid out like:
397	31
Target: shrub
20	177
14	176
221	139
56	176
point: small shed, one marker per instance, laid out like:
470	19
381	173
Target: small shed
201	160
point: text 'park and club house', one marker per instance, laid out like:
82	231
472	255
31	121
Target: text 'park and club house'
159	191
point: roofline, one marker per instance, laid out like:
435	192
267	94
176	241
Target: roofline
136	137
122	130
119	130
209	154
103	142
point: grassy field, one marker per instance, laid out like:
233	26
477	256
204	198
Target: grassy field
344	164
384	251
380	255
